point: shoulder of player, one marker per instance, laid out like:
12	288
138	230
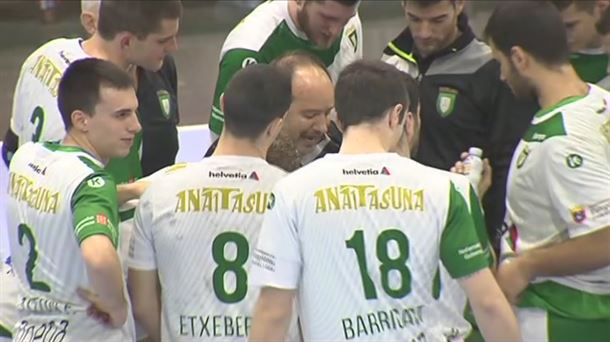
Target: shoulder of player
53	49
255	29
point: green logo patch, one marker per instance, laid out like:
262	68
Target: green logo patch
445	102
574	161
96	182
165	102
271	202
523	156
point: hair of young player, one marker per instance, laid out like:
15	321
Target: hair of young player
254	97
81	84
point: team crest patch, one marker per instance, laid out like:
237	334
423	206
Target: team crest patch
248	61
578	214
445	102
165	102
96	182
271	202
574	161
352	35
523	156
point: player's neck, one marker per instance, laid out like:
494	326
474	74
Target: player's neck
77	140
292	12
231	146
100	48
556	85
362	139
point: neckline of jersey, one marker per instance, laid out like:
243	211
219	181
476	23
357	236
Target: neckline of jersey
567	100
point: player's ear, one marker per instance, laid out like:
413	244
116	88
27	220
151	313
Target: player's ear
275	127
394	117
125	39
80	121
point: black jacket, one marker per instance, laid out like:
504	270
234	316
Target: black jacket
464	104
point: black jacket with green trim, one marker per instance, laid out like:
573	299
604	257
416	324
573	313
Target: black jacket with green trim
464	104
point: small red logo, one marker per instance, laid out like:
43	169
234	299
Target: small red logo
101	219
253	175
385	171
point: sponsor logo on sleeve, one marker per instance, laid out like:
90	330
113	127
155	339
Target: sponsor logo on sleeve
579	214
574	161
101	219
96	182
600	209
248	61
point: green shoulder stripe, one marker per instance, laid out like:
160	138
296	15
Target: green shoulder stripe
4	332
551	127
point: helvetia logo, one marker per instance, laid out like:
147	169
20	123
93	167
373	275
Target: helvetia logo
232	175
254	176
366	172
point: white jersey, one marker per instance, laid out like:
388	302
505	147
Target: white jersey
58	196
9	290
558	189
269	32
360	238
451	299
36	116
196	226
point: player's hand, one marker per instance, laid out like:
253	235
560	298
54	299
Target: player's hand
130	191
94	310
486	175
513	277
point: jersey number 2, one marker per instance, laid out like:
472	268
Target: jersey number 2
37	119
236	266
25	231
388	263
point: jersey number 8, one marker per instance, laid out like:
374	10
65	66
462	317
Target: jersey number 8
236	266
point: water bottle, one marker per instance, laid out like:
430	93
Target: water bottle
473	166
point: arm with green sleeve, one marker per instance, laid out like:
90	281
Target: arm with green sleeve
467	261
232	61
95	219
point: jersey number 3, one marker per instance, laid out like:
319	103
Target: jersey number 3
236	266
37	119
25	231
388	263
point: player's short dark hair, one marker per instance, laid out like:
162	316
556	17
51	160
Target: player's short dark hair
349	3
581	5
295	59
254	97
535	26
140	17
426	3
412	90
603	25
81	83
365	91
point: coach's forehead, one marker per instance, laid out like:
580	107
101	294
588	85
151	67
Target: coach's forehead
307	78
